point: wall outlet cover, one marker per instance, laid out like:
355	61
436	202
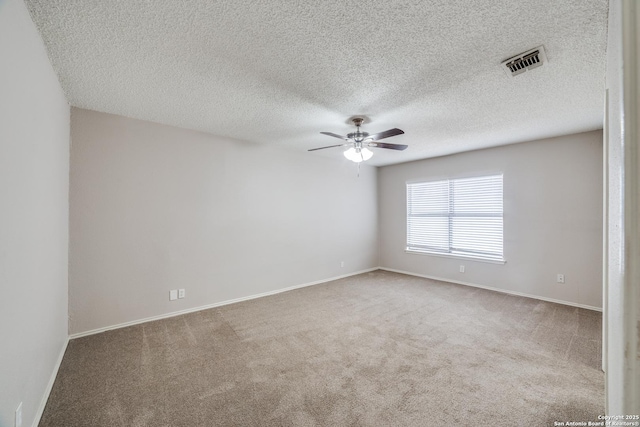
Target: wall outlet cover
180	293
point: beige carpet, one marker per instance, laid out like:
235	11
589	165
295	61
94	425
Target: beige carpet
378	349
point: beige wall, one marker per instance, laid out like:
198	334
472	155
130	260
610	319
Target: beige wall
34	176
552	218
155	208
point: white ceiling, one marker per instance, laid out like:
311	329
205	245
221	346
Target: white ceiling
281	71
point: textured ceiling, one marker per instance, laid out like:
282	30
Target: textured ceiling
281	71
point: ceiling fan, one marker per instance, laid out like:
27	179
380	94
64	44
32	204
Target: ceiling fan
359	142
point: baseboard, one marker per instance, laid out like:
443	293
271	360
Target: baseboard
214	305
520	294
47	391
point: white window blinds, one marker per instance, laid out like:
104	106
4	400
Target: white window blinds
457	217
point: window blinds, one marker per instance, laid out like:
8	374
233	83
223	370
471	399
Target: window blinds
457	217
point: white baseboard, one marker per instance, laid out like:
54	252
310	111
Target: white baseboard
521	294
214	305
47	391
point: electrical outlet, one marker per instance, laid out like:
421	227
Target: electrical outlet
341	263
560	278
18	422
173	295
462	269
180	293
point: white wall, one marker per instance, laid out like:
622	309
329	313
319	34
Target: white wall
622	352
552	217
155	208
34	176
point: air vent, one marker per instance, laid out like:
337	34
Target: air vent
528	60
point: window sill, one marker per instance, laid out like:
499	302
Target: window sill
471	258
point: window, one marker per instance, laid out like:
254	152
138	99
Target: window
460	217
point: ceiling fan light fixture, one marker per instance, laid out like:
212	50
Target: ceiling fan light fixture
358	155
352	155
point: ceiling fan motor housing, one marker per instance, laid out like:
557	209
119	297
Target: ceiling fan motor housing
357	136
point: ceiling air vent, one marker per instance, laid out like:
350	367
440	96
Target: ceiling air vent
528	60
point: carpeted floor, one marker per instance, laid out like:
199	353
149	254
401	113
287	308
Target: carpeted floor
377	349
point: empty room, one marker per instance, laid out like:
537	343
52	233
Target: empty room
379	213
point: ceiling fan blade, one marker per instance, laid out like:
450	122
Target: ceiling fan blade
335	135
385	134
330	146
387	145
